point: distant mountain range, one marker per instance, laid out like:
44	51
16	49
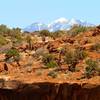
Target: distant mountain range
59	24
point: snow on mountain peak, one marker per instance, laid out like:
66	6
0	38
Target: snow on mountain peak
61	20
58	21
59	24
74	22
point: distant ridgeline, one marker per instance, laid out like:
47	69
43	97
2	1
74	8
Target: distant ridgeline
59	24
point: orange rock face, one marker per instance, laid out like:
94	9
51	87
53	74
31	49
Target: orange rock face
51	91
1	67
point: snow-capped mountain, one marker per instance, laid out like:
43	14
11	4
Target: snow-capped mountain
59	24
36	27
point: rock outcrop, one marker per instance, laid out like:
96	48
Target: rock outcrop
13	90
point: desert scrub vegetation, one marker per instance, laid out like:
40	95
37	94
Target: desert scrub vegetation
12	53
52	73
4	30
75	30
49	61
44	33
96	47
57	34
53	35
16	35
30	42
80	54
13	35
3	40
72	58
62	52
92	68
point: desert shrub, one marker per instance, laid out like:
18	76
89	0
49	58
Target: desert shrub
91	63
54	35
47	58
16	41
91	67
4	30
53	74
58	33
44	33
52	64
49	61
62	52
71	60
73	57
18	38
76	30
3	40
96	47
12	53
80	54
30	42
69	57
15	35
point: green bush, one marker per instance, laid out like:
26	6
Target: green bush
53	74
49	61
73	57
90	68
12	53
91	63
71	60
47	58
52	64
69	57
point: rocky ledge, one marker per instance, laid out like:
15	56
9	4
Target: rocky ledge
15	90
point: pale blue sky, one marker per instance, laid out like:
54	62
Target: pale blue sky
24	12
